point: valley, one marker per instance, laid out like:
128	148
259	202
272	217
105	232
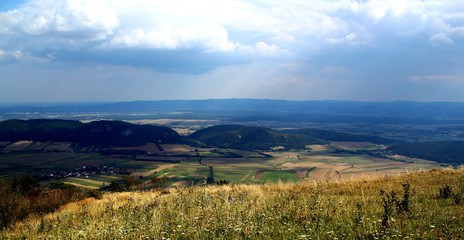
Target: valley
233	175
95	167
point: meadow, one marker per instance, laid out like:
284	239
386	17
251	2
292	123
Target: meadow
420	205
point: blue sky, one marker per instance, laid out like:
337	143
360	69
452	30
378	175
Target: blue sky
87	50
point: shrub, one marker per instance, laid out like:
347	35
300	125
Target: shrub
13	206
94	193
131	182
24	184
222	182
113	187
445	192
18	199
392	203
159	183
389	201
403	206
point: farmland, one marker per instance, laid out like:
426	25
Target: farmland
184	165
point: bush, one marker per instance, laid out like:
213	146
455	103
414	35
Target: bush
94	193
24	184
13	206
21	197
159	183
113	187
445	192
392	203
403	206
131	182
50	200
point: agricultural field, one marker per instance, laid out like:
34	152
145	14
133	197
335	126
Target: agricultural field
320	163
184	165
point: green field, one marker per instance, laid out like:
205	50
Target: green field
235	166
277	175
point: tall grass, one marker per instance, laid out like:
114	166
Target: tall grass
305	210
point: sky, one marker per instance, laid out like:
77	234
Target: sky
366	50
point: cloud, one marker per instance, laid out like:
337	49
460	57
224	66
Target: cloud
228	26
440	39
8	58
209	38
354	43
438	78
188	61
348	38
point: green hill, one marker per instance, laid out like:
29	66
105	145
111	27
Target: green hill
326	135
118	133
251	138
114	133
37	129
242	137
444	151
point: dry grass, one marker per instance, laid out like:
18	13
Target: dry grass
305	210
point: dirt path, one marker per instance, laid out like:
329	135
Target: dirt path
88	181
81	185
148	173
259	174
246	176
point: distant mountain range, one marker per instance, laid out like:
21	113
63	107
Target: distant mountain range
241	110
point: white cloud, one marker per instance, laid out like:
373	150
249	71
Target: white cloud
263	49
8	57
47	24
440	39
438	78
210	38
346	39
207	24
256	29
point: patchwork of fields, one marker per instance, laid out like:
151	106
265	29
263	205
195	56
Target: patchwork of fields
184	165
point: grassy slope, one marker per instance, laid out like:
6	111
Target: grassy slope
305	210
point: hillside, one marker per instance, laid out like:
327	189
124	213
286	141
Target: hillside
37	129
444	151
325	135
251	138
106	133
243	137
422	205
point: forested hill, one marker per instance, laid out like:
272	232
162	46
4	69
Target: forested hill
440	151
118	133
244	137
114	133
